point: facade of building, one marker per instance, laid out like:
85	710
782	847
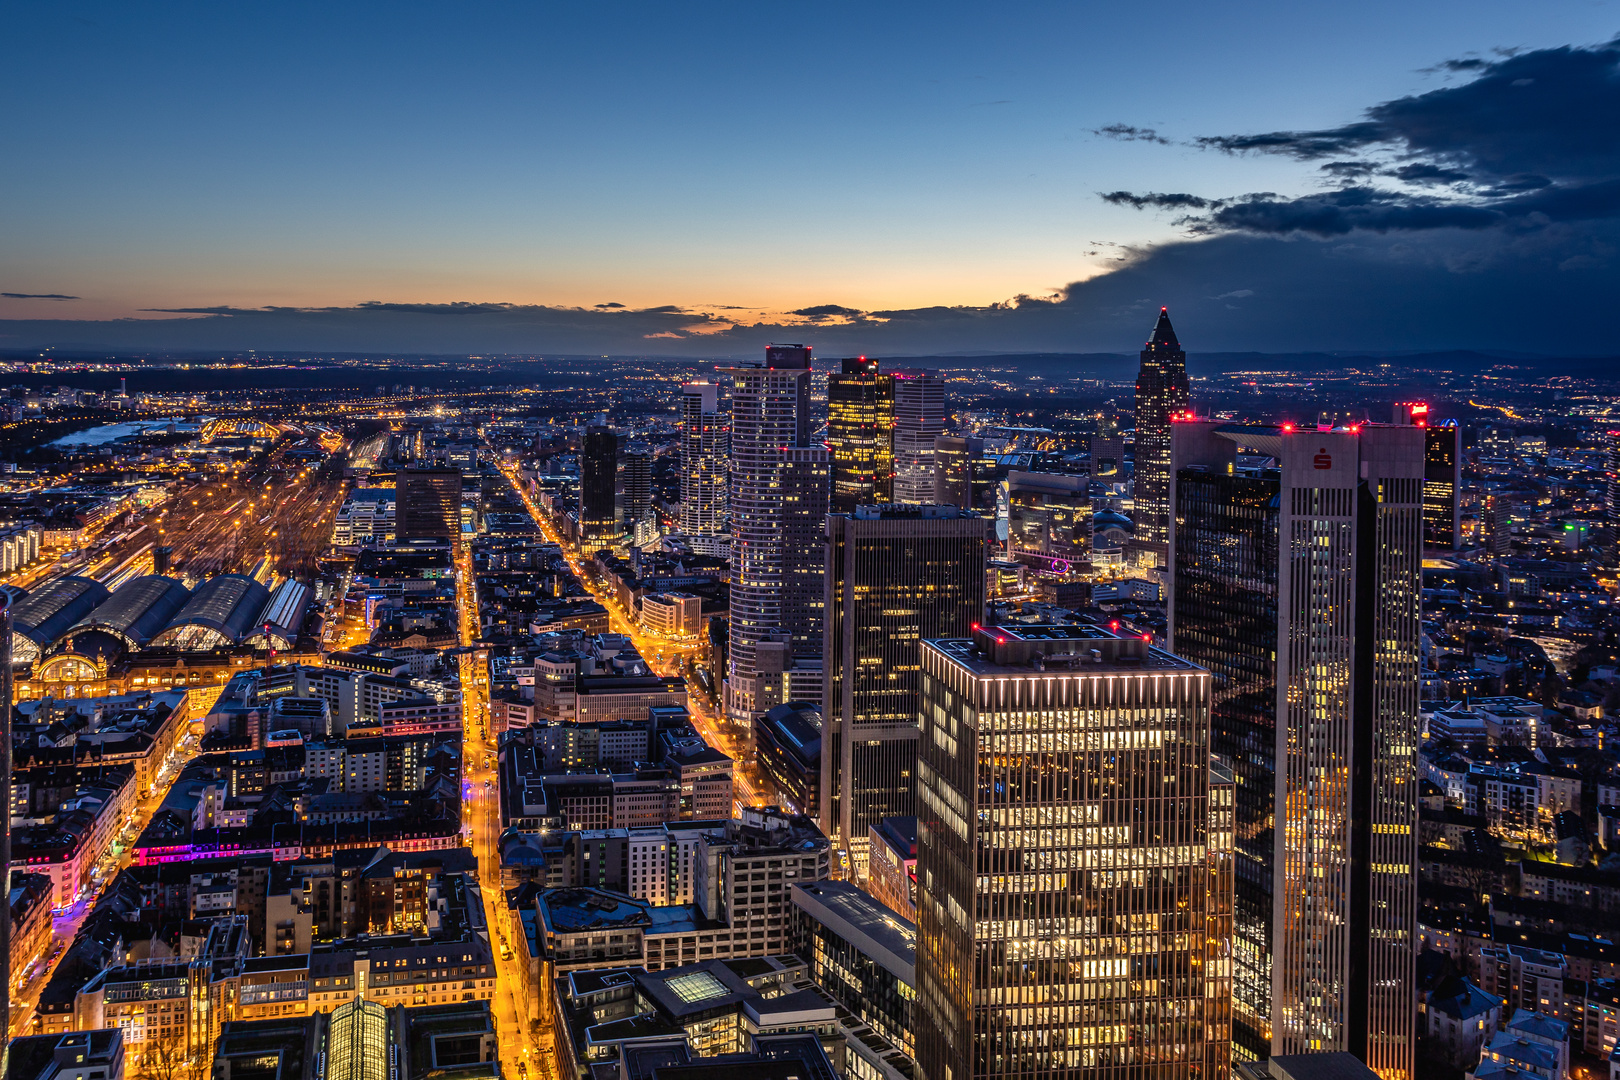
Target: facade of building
1299	586
778	500
598	478
705	462
1442	475
1161	393
635	490
919	418
860	434
1072	892
429	504
895	576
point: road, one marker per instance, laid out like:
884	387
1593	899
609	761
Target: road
120	854
751	788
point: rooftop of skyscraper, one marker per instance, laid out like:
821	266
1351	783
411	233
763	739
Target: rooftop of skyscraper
1080	647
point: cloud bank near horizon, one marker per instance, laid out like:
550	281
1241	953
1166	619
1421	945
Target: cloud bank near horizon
1481	215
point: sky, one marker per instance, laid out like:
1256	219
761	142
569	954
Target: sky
695	179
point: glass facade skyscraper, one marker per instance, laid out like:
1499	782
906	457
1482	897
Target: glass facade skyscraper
1161	393
598	479
860	435
1298	583
895	575
1074	878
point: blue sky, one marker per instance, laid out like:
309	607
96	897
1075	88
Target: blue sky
746	158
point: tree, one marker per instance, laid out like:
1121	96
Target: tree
167	1057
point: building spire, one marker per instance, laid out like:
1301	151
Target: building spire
1163	332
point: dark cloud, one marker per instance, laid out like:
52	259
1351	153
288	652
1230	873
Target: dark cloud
1304	145
610	305
36	296
1529	290
1127	133
1349	170
1155	200
1423	172
827	311
1530	139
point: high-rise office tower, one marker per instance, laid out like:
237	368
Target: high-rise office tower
1072	896
1298	585
860	434
1161	393
778	501
705	464
895	575
1442	475
919	418
428	504
598	479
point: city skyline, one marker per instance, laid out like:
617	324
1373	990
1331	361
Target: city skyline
1053	542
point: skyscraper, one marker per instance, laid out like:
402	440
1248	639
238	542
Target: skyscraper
705	467
635	488
428	504
1611	476
778	500
919	417
895	575
598	478
1072	896
1298	585
860	434
1161	393
1442	475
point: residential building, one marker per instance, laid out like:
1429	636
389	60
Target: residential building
778	501
705	468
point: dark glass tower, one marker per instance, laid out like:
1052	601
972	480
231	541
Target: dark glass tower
1161	393
1226	620
895	575
429	504
1298	585
598	475
860	435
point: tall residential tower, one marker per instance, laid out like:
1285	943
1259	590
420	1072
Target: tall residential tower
705	468
778	503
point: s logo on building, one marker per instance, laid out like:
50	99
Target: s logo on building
1323	459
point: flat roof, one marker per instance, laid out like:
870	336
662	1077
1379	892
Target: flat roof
884	936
